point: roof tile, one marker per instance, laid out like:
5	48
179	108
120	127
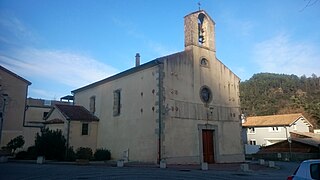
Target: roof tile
76	113
273	120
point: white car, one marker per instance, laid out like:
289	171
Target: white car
309	169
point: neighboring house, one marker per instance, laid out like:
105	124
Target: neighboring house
13	95
36	111
300	142
317	131
267	130
181	108
77	124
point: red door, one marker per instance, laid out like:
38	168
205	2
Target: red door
208	150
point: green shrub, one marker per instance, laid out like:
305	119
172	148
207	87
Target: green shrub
84	153
102	155
29	154
32	153
15	143
71	155
22	155
51	144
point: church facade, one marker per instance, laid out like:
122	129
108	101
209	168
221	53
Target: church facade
181	108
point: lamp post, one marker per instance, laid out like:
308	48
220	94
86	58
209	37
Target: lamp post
4	99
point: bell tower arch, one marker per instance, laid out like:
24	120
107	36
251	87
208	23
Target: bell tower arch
199	30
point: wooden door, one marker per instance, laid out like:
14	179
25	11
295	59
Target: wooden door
208	149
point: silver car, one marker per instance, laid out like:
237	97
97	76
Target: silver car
309	169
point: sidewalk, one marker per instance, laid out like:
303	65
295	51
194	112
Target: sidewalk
253	165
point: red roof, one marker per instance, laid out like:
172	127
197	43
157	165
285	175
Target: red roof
76	113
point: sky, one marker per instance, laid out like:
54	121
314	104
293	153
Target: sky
61	45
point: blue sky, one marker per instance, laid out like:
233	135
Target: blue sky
62	45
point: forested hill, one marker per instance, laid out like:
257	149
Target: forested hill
268	94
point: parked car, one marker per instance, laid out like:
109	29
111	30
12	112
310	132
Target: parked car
308	169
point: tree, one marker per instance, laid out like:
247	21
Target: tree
15	143
50	144
269	93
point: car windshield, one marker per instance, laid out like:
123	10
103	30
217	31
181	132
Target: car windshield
315	171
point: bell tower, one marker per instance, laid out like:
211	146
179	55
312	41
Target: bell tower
199	30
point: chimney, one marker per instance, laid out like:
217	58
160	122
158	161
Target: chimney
137	59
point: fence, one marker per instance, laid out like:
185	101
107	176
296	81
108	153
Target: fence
285	156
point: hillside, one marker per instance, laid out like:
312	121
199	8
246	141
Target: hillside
268	93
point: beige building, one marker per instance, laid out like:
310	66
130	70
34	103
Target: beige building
36	111
77	124
13	95
181	108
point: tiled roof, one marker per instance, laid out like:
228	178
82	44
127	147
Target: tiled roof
306	138
76	113
273	120
54	121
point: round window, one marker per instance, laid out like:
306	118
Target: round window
205	94
204	62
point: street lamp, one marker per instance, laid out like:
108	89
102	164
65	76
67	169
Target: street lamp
4	99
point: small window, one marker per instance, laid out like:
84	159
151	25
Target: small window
204	62
252	142
251	130
92	104
274	129
85	129
116	102
45	114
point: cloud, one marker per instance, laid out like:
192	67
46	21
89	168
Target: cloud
13	31
280	54
243	27
154	46
53	72
71	69
45	94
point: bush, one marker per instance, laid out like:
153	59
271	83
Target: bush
84	153
102	155
51	144
22	155
15	143
29	154
71	155
32	153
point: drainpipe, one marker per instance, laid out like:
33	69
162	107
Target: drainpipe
68	134
160	91
2	113
289	141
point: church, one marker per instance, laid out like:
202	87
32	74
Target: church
183	108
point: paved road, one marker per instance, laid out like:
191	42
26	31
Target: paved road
26	171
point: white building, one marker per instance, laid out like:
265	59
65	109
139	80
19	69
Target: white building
267	130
